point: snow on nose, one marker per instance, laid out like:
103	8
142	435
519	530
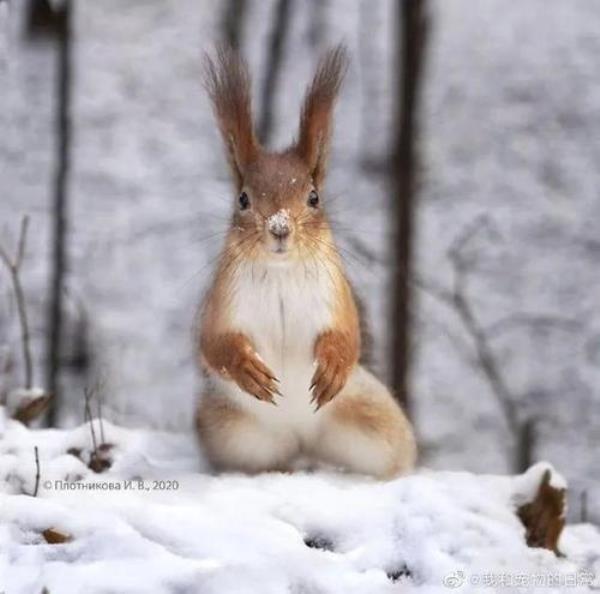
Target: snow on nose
279	223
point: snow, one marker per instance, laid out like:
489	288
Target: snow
197	532
279	222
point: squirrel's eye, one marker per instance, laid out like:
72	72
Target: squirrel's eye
313	199
244	201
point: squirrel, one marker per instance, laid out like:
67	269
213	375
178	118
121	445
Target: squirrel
279	338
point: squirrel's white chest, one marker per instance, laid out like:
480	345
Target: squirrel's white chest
283	309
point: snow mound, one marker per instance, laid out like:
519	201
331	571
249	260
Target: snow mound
156	521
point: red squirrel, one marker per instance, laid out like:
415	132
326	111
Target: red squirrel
279	337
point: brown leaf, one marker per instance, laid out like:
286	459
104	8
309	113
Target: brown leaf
32	409
99	462
75	452
55	536
544	516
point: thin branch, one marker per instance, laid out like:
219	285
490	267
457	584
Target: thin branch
5	258
89	394
485	354
25	336
14	268
522	431
22	241
542	322
99	461
456	298
435	290
479	225
37	471
100	420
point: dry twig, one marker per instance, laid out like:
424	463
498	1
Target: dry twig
13	266
457	299
99	458
89	394
37	472
100	419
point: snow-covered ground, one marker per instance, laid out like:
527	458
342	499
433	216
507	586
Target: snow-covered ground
510	141
158	521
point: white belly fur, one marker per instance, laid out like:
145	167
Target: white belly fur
282	309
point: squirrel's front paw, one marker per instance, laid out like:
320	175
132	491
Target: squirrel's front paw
329	378
254	377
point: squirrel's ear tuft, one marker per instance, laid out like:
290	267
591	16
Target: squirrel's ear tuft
227	82
316	119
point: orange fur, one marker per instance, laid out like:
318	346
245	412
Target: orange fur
228	85
315	121
360	427
383	420
338	349
232	355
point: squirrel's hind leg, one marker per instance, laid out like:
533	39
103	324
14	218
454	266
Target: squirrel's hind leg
365	431
234	440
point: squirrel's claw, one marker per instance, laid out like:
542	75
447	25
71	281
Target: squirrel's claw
255	378
326	384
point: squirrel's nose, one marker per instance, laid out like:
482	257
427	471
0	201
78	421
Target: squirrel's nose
280	232
279	224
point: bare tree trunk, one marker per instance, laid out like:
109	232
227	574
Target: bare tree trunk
233	23
524	448
317	27
410	55
281	26
369	112
63	135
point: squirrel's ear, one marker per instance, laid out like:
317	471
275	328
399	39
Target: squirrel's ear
316	119
227	82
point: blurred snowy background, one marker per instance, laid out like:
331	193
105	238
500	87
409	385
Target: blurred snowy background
127	214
